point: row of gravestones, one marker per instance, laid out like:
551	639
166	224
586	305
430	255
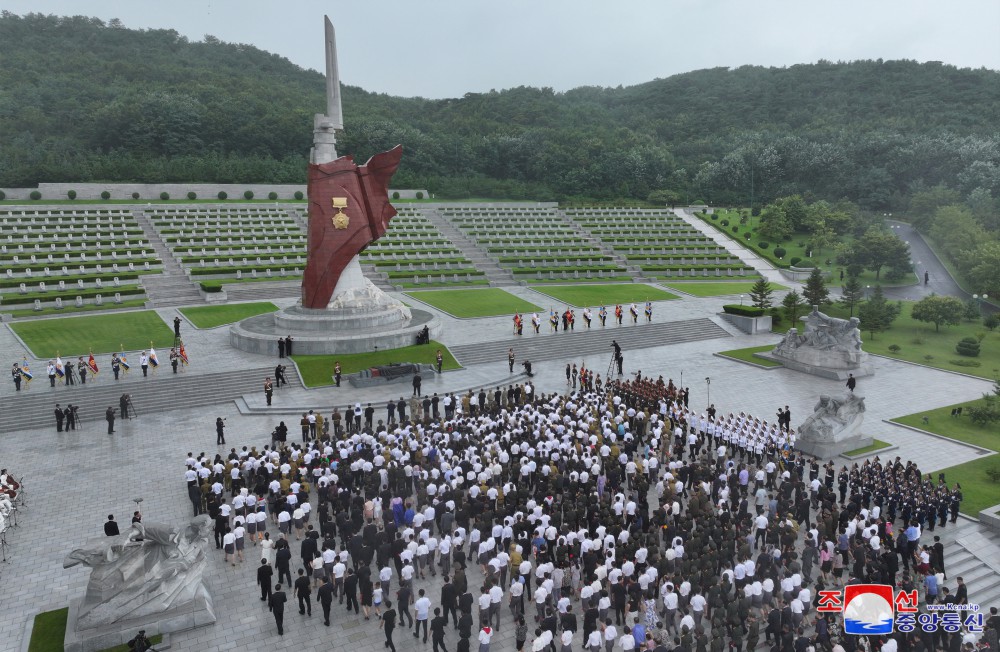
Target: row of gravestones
98	269
267	273
80	231
239	241
246	261
98	283
68	244
83	256
98	301
218	251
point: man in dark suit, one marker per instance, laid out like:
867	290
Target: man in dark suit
177	327
437	630
281	347
59	418
111	526
277	605
70	376
303	593
282	559
325	596
81	366
288	346
264	575
110	416
449	601
69	413
351	590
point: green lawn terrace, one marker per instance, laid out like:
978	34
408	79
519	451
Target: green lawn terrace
659	243
535	243
233	241
71	259
414	253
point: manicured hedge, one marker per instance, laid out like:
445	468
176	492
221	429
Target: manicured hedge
744	311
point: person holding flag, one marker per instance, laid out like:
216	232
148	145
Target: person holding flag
536	322
92	364
153	360
183	355
123	360
60	370
26	374
603	314
649	311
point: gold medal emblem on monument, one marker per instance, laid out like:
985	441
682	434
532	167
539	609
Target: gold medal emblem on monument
340	219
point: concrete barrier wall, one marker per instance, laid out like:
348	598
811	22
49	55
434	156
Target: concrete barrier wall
175	190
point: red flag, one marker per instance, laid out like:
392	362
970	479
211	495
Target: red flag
92	363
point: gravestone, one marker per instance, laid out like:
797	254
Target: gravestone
62	285
79	301
23	289
59	303
79	283
117	282
38	304
118	297
41	286
99	300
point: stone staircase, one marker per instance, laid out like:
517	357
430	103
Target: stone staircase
633	270
161	391
498	276
263	290
972	552
171	287
595	341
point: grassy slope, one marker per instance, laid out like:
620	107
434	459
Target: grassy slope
940	421
475	303
317	370
608	295
213	316
747	355
718	289
72	336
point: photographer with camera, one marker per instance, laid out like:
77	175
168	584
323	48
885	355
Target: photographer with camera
141	643
220	427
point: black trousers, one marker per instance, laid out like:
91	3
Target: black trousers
265	590
305	604
326	611
279	620
352	599
416	629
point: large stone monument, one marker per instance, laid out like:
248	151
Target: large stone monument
341	311
827	346
833	427
149	578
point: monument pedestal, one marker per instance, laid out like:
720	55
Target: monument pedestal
833	373
831	449
358	320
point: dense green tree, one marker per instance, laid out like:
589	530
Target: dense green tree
815	291
760	293
774	224
793	305
925	203
877	314
851	293
939	310
880	247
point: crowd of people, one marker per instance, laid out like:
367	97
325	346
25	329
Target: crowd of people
568	318
617	519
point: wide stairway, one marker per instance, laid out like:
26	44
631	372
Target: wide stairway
972	552
497	275
161	391
171	287
595	341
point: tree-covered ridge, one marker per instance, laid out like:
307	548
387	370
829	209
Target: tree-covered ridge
88	101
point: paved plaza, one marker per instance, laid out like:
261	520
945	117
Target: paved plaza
74	480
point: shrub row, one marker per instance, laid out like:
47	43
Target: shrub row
744	311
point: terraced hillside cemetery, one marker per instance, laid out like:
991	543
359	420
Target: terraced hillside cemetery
662	245
414	253
62	259
233	242
535	244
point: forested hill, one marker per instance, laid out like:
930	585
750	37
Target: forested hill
81	100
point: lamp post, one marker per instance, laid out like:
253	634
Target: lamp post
867	288
979	299
708	389
741	299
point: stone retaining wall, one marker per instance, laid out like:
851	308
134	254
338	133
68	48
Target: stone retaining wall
175	190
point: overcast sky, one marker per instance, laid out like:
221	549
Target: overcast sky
446	48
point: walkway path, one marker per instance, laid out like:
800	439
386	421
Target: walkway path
762	265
